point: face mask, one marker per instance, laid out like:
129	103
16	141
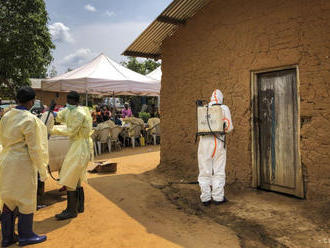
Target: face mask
70	107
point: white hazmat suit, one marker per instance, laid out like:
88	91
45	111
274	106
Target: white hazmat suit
212	157
25	153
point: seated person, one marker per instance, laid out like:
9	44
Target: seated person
106	114
117	120
126	112
97	116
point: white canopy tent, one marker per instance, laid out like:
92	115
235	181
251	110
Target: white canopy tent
103	76
156	74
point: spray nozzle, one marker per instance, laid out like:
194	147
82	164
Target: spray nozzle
199	103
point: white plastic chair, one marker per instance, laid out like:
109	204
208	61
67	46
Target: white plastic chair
156	133
135	133
104	138
114	136
94	138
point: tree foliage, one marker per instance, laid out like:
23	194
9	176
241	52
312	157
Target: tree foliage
25	43
144	67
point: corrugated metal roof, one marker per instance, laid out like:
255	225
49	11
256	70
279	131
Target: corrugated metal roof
148	44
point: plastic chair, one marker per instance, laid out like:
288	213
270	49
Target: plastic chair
114	136
156	133
104	138
135	126
135	133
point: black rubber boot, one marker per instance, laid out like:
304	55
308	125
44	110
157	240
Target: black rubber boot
207	203
26	236
220	202
7	227
41	188
81	199
71	209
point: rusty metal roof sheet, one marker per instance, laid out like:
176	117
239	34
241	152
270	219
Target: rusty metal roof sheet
148	44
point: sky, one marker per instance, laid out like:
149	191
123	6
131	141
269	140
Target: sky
82	29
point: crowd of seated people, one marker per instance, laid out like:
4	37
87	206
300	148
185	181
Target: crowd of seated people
104	113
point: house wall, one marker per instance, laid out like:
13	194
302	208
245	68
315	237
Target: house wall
46	97
60	98
218	48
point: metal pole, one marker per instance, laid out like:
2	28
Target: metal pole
114	103
86	98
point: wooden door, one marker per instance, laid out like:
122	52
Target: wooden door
280	168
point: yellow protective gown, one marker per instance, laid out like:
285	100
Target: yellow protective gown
78	127
25	153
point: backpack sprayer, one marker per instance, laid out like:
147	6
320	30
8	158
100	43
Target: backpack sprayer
210	121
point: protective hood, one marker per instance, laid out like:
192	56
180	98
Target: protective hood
217	97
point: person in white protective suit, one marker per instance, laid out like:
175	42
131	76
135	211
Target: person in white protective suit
25	153
78	127
212	158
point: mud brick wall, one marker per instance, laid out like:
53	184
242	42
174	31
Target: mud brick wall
46	97
218	48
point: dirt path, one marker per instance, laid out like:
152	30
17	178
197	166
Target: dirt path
124	211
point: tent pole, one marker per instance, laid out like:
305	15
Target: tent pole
114	103
86	98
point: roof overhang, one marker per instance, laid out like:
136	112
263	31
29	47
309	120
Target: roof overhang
148	44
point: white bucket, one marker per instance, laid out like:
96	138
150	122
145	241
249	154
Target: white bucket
58	147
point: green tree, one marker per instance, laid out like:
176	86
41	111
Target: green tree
150	65
25	43
143	67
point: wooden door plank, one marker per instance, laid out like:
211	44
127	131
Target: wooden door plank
266	94
284	134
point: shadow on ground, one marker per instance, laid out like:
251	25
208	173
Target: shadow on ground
134	197
50	224
51	197
149	206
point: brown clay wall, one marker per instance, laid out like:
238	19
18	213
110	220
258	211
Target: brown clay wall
218	48
46	97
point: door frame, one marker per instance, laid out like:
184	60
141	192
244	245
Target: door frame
299	192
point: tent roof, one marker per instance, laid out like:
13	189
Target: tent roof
103	76
156	74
